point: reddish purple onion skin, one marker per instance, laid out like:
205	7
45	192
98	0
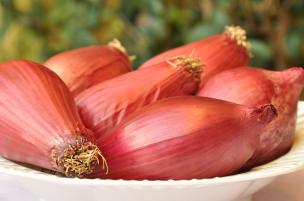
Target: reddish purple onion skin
84	67
39	122
183	138
250	86
103	106
218	53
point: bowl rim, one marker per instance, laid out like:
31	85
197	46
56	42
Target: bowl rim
269	170
242	177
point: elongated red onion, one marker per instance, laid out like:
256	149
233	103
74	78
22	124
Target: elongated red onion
184	138
105	105
252	87
39	122
218	53
84	67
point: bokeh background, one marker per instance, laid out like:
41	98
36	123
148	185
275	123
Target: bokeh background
38	29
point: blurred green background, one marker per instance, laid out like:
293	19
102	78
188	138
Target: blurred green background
38	29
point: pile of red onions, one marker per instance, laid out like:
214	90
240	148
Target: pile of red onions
105	105
193	112
224	51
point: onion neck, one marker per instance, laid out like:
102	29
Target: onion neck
294	75
292	78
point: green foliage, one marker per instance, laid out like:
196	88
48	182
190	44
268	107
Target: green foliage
38	29
261	51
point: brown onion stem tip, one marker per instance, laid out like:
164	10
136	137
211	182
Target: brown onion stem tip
191	64
80	161
238	34
117	44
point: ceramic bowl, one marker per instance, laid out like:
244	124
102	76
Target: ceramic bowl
18	182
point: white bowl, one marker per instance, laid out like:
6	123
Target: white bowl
21	183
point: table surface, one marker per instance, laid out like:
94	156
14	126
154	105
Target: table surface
285	188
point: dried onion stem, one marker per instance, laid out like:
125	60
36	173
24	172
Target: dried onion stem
191	64
238	34
117	44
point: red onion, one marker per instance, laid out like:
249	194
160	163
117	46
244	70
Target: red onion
184	138
84	67
218	53
39	122
252	87
105	105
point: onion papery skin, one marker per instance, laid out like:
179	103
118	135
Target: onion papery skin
183	138
218	53
251	86
103	106
39	122
84	67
